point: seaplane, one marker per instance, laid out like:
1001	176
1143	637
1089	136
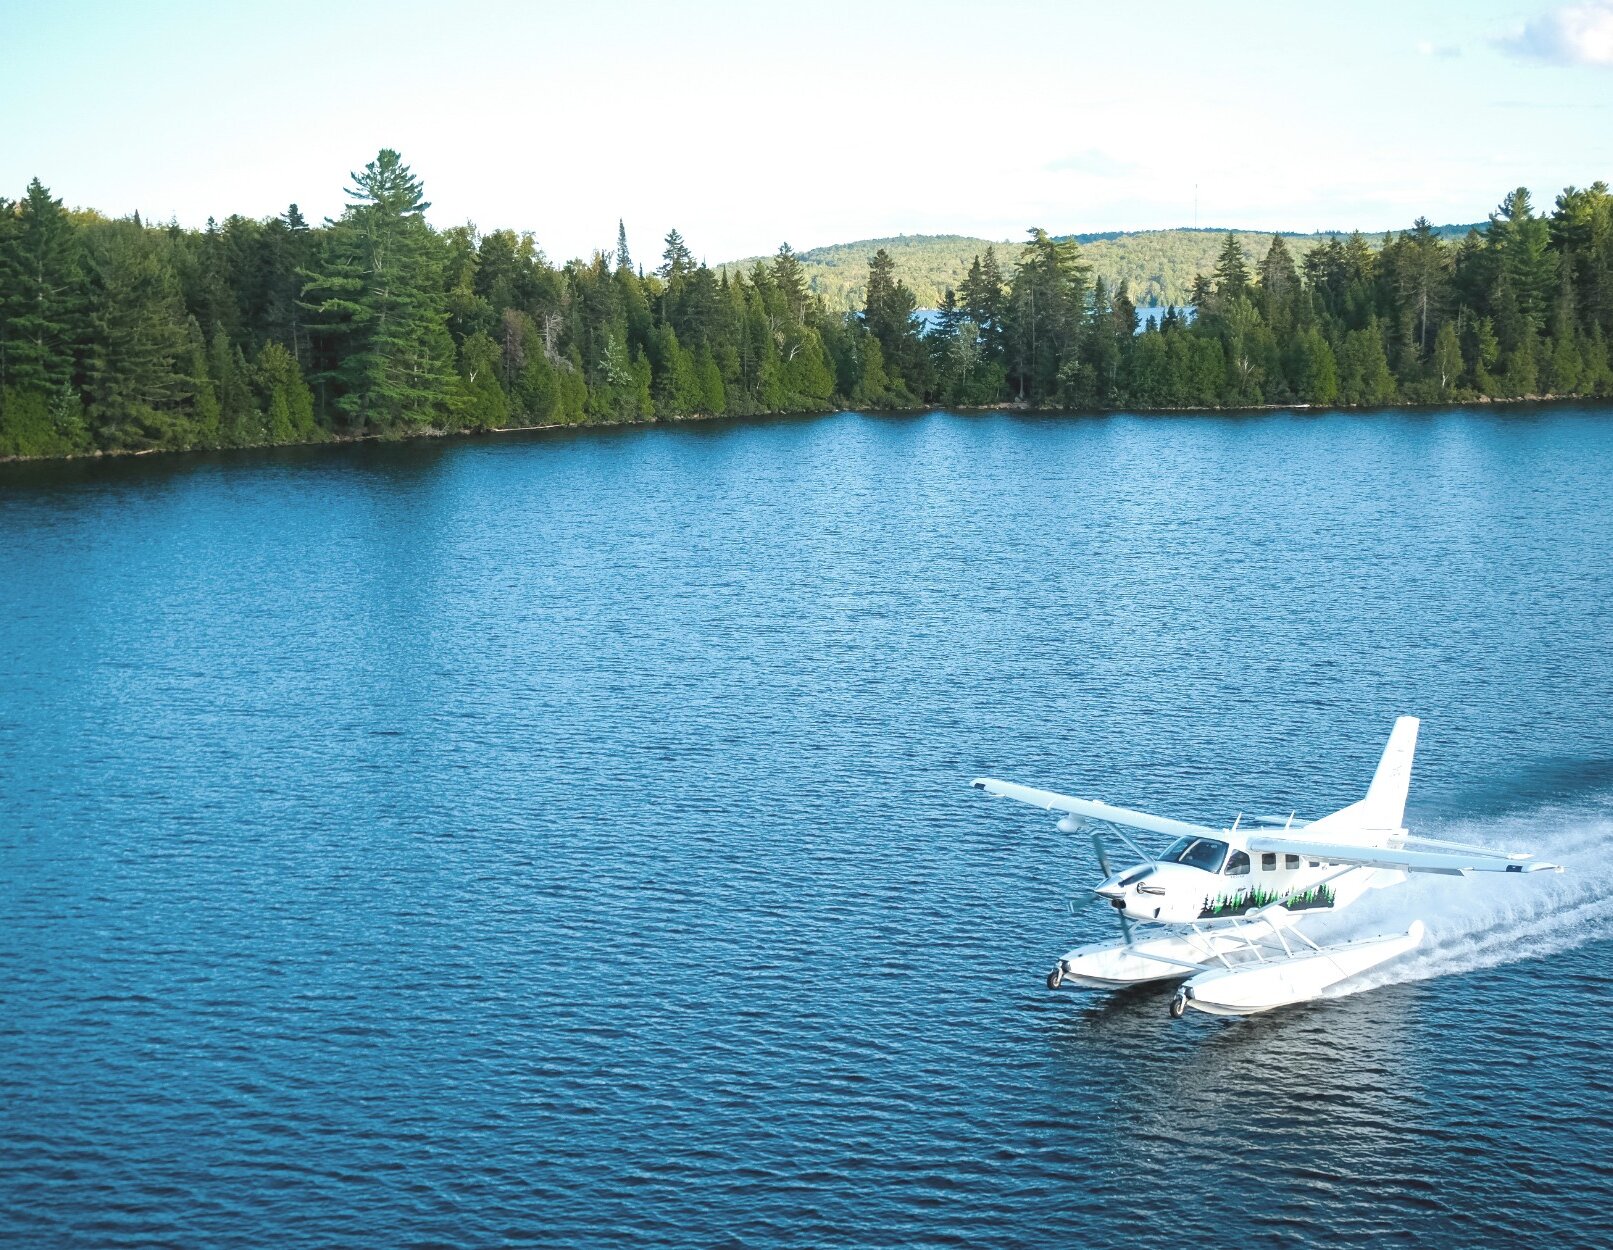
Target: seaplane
1232	902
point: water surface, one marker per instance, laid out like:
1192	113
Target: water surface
566	838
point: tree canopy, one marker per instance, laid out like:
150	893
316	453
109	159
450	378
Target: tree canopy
125	335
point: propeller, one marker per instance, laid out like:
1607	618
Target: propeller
1101	850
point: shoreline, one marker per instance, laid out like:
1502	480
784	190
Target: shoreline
1012	406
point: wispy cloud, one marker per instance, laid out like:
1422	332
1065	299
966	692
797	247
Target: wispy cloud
1441	51
1574	34
1098	164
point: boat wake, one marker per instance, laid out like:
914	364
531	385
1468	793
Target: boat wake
1488	919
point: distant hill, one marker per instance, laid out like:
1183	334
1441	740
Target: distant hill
1159	265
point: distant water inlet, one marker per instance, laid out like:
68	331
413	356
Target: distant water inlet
567	839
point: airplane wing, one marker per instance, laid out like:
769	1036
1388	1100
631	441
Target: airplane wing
1451	859
1091	809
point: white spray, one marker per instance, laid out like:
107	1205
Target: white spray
1488	919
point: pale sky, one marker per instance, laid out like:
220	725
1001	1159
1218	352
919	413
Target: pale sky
744	125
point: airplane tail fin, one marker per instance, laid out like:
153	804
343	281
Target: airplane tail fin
1384	808
1381	815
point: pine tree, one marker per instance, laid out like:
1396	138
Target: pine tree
206	415
623	259
1483	350
1048	304
791	282
40	294
888	316
137	391
1279	284
239	420
1522	243
1422	277
677	261
288	404
1231	271
985	302
1202	295
378	298
1364	376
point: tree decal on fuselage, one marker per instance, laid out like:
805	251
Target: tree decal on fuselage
1241	902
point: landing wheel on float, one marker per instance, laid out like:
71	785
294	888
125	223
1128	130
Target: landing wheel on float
1055	978
1178	1004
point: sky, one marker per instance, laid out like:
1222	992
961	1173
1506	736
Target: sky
745	125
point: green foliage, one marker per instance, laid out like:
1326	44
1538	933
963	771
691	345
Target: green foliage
288	404
1364	376
41	287
1157	266
378	294
116	335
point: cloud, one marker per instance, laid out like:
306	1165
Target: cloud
1098	164
1442	51
1574	34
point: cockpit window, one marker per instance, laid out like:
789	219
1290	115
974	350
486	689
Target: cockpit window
1237	864
1205	853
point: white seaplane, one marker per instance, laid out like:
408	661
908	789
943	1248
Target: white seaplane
1233	899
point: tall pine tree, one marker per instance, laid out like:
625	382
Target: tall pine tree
378	301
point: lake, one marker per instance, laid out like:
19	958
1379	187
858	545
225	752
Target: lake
566	838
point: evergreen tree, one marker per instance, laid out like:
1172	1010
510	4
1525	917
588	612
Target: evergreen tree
1202	296
791	282
136	388
623	259
984	297
888	316
287	402
123	335
677	261
1422	276
1279	285
378	296
1048	305
1231	271
240	423
482	404
1527	265
1364	377
40	293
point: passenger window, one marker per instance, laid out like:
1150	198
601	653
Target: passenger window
1290	861
1314	863
1237	864
1268	862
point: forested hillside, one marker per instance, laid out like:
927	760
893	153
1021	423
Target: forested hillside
1158	266
119	335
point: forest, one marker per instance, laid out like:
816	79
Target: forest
121	335
1157	266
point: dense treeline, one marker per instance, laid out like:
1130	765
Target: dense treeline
1520	307
1157	266
117	335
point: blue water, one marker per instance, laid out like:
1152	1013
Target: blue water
567	839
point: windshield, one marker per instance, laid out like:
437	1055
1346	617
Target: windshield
1205	853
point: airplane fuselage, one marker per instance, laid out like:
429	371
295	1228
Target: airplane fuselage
1202	880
